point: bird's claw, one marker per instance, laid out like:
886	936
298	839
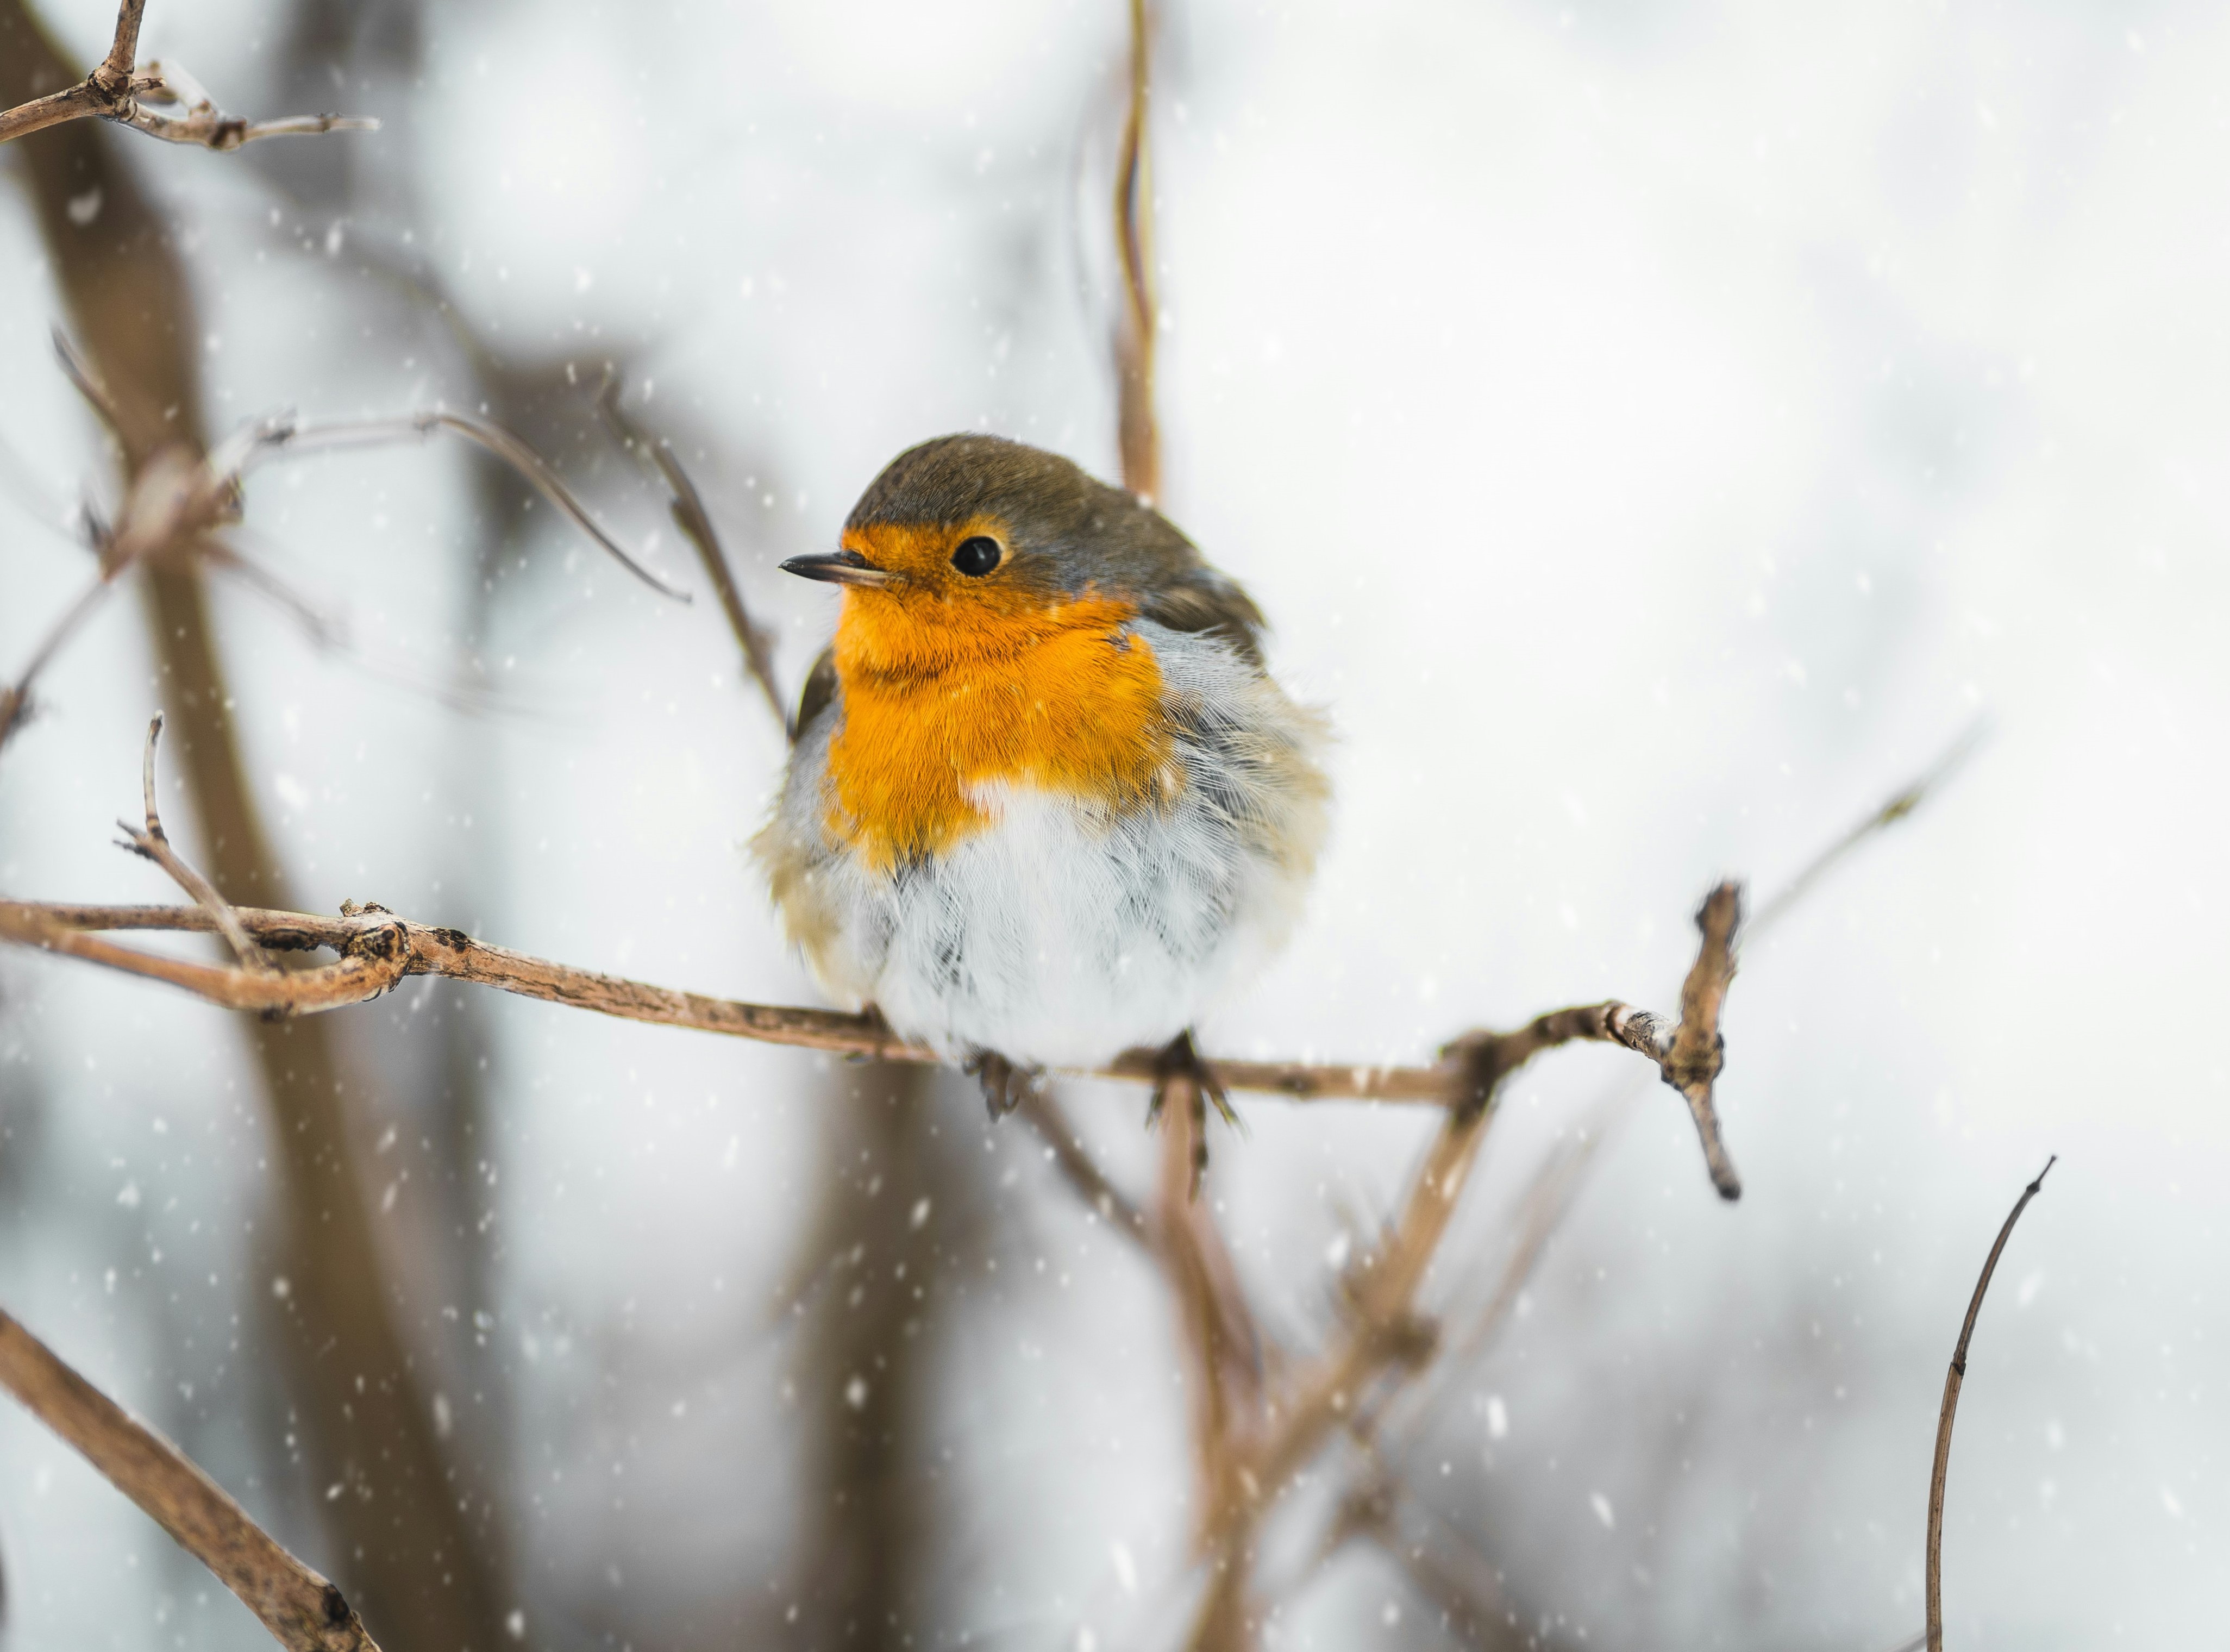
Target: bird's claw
1006	1085
1180	1063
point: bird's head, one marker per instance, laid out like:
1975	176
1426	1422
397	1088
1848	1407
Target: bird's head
974	545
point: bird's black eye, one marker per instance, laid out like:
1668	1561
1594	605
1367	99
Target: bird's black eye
977	556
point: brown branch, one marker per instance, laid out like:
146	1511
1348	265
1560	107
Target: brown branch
1043	1114
1952	1380
1137	432
123	50
119	92
1371	1510
1899	805
277	436
687	508
1384	1330
1224	1373
171	496
176	498
405	948
300	1609
153	844
129	301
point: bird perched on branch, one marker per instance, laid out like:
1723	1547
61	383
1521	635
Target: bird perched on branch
1044	802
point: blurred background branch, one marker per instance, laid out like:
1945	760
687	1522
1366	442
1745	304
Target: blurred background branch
395	1536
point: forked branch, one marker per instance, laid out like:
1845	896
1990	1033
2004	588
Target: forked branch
178	502
153	844
300	1609
119	90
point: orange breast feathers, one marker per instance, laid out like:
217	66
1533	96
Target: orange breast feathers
945	694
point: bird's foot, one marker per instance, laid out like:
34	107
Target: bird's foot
1006	1084
1180	1069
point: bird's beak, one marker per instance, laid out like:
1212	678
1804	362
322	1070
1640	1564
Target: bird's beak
844	568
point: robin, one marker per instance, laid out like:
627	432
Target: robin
1045	804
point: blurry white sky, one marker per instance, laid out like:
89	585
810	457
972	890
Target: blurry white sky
1655	431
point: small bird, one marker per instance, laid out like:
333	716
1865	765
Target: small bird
1044	802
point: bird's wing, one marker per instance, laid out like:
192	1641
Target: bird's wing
1199	599
820	689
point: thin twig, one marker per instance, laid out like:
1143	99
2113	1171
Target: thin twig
687	508
167	501
153	844
82	374
1043	1114
1895	808
281	437
1952	1380
300	1609
1385	1331
179	497
1137	431
15	699
119	92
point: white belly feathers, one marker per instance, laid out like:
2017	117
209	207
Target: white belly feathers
1066	932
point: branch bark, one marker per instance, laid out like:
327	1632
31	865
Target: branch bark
118	91
153	844
379	950
1952	1380
1384	1329
300	1609
1138	432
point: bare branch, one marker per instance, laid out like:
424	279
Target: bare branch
1895	808
82	374
374	956
74	103
423	950
15	699
282	437
124	50
1692	1065
687	508
1385	1330
1043	1114
153	844
1952	1380
167	500
1137	432
117	90
176	497
300	1609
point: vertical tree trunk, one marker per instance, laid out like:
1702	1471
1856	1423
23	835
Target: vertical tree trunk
864	1368
396	1537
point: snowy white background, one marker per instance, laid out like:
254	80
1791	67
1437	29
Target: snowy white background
1656	432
